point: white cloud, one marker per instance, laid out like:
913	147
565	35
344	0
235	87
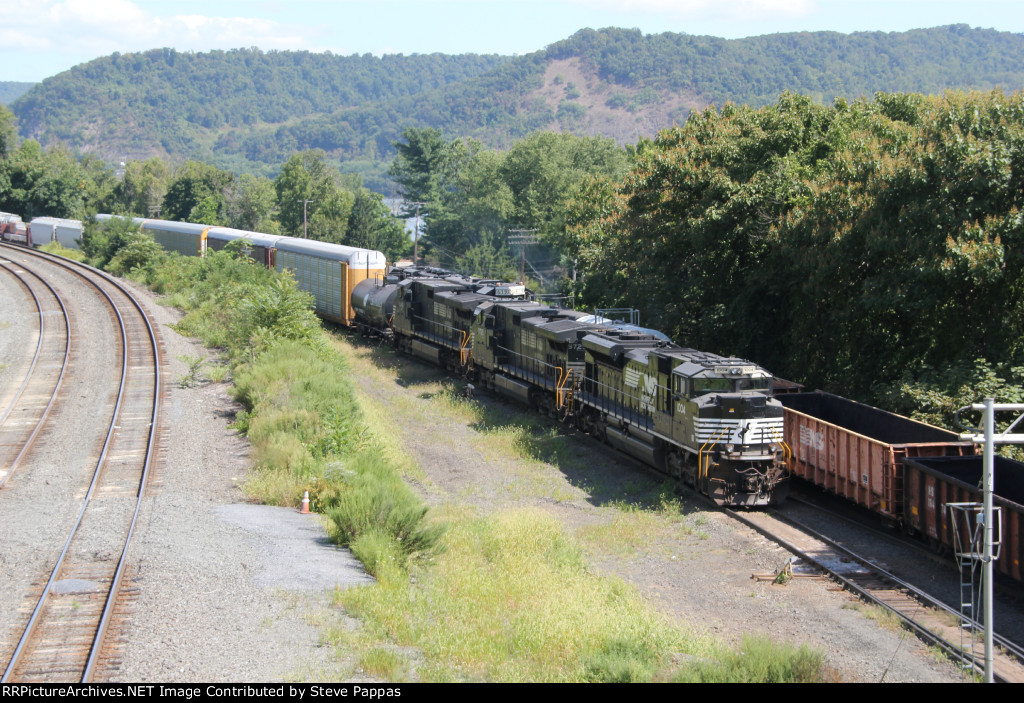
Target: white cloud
743	10
99	27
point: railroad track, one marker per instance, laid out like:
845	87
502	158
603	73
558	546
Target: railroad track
25	407
928	617
64	634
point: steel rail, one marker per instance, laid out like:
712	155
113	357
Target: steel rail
115	583
39	341
39	345
1017	650
923	598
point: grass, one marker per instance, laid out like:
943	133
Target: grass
637	526
499	596
885	618
759	660
511	599
194	367
57	249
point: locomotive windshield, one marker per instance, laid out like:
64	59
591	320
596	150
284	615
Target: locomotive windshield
729	385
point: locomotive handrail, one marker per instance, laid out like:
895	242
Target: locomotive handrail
702	469
434	324
562	393
465	352
530	365
787	451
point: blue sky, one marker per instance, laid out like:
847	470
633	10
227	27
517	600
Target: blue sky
39	38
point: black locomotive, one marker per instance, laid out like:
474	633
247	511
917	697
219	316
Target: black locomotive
707	420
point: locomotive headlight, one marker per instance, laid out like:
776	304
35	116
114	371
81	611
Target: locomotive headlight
730	447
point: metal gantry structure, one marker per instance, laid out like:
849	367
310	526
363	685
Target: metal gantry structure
989	437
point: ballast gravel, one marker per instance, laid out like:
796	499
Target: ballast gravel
226	589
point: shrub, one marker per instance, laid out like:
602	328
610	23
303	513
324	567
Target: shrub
377	501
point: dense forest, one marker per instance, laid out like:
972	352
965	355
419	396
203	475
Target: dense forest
249	111
872	248
12	90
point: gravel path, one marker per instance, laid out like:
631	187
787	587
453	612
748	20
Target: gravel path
227	589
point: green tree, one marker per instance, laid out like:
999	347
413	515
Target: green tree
252	204
38	183
488	259
194	183
8	132
309	190
142	189
372	226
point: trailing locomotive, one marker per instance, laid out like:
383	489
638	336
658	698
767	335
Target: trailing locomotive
706	420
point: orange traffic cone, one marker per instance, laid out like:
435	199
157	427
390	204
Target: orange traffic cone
305	504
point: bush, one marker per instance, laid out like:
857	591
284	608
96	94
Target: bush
138	254
378	503
620	661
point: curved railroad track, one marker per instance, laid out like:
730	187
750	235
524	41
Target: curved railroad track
925	615
64	633
25	407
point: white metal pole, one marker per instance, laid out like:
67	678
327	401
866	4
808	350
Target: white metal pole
988	475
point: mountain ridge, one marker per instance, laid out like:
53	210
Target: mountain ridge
248	110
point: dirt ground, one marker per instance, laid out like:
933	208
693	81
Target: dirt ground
697	569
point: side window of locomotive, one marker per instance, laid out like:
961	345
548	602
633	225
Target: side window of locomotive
682	387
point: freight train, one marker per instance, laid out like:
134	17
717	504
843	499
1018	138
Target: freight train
40	231
904	471
711	422
704	419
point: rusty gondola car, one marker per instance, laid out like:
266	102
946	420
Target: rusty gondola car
931	483
857	451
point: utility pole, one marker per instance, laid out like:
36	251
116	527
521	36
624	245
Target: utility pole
522	237
304	204
416	237
989	437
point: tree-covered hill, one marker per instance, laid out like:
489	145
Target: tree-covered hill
249	110
12	90
170	103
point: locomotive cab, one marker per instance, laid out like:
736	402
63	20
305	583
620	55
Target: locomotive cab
724	410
